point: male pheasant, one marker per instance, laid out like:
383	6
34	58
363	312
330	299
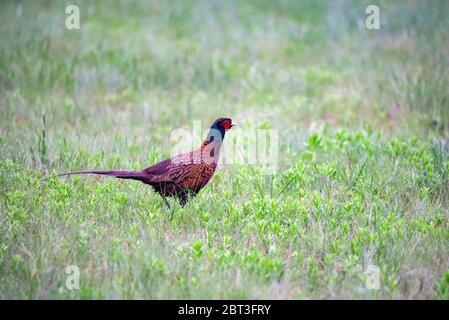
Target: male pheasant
183	175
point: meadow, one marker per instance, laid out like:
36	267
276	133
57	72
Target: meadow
363	173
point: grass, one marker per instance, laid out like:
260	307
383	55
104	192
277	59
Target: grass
363	122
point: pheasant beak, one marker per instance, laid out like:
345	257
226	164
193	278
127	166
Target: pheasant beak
233	124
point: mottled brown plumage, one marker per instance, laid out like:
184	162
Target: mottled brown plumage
183	175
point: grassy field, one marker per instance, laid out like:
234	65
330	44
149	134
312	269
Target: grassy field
363	123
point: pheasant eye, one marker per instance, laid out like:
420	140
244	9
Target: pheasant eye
226	124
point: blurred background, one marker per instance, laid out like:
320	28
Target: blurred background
145	67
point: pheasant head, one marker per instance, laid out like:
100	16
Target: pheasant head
218	129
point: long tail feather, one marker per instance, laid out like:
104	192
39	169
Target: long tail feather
122	174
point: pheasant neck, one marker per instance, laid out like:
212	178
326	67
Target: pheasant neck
210	148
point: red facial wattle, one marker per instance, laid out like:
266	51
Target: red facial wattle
227	124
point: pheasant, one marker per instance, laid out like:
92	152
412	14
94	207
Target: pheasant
181	176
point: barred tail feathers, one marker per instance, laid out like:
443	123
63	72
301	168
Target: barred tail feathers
121	174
